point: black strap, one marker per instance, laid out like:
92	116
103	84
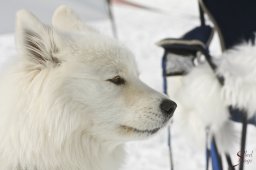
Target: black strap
201	12
243	140
229	161
207	147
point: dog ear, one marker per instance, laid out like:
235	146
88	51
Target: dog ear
35	40
66	20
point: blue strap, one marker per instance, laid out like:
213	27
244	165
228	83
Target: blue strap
164	60
215	157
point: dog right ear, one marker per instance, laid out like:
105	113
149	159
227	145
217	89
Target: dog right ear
65	19
35	41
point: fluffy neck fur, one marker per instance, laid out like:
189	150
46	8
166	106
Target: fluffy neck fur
74	154
27	144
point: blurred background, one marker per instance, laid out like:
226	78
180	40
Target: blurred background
139	24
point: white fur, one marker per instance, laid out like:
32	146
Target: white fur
204	102
58	111
238	66
201	104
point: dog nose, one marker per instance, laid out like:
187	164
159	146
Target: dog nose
168	107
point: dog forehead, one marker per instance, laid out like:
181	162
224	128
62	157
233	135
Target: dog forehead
111	61
105	52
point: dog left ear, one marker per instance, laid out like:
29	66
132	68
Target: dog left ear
65	19
35	41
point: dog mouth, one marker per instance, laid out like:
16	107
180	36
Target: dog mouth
135	130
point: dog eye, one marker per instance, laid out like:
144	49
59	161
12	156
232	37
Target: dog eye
117	80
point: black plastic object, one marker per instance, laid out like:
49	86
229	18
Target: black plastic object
234	20
180	53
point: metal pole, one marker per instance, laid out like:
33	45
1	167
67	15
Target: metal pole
112	19
169	127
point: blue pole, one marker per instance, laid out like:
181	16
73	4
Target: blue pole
215	156
164	60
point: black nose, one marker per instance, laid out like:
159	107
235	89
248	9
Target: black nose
168	107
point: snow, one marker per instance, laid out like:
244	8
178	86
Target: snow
139	30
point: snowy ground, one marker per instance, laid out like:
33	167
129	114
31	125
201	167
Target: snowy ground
139	30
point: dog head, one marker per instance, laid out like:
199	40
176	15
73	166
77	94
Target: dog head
90	81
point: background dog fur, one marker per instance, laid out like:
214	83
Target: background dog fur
204	103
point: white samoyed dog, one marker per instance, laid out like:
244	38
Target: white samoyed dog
73	98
